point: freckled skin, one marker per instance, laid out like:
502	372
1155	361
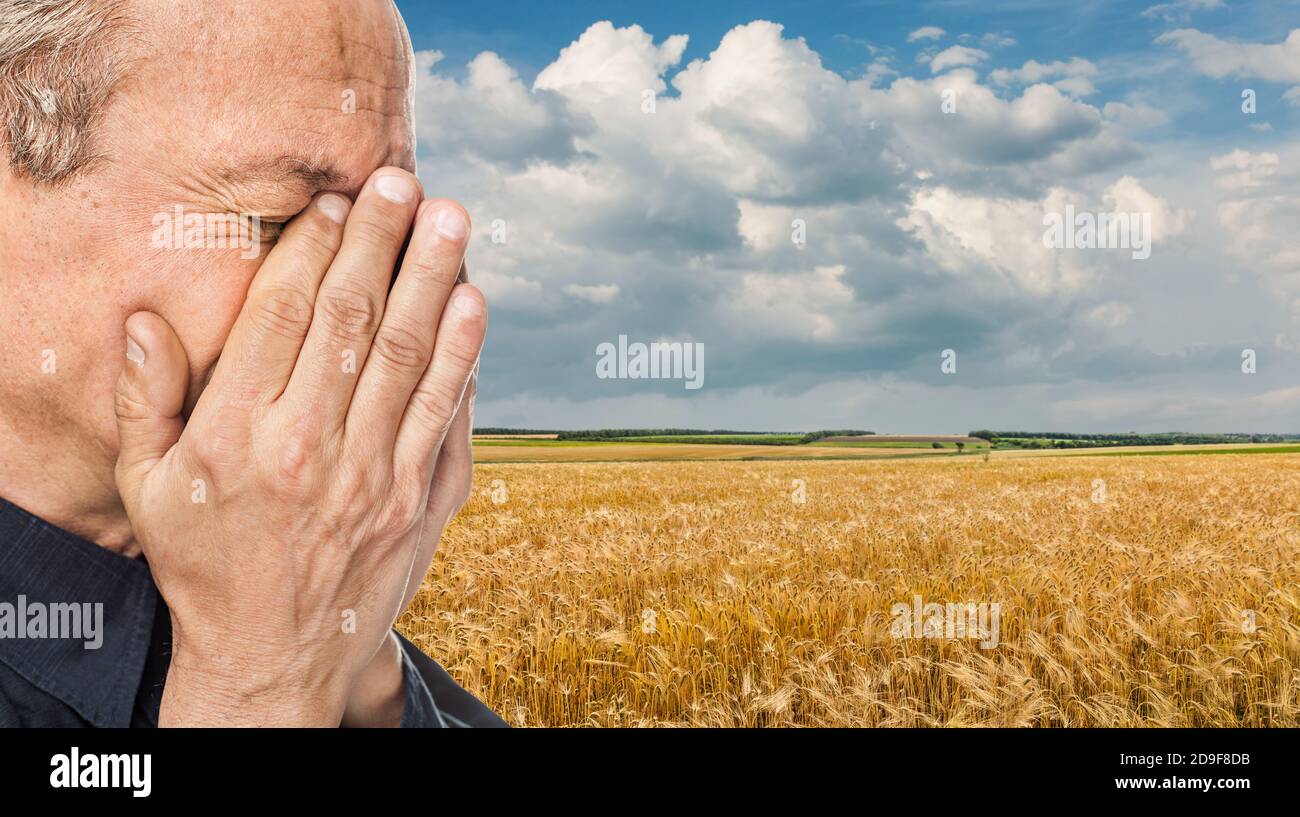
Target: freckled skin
209	85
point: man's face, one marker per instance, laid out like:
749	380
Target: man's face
234	107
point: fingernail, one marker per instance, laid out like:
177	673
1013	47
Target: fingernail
395	188
466	306
334	206
134	353
450	223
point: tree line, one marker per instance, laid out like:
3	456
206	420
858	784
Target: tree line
1062	439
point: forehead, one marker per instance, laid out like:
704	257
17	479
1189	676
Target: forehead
321	84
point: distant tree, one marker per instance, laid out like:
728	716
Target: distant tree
961	446
936	444
814	436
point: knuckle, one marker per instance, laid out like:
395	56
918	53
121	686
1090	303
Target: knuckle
401	348
437	402
431	268
216	447
359	480
403	512
462	349
348	313
129	406
296	460
319	240
282	310
377	231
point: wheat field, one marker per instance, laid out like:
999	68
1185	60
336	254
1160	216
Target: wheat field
1134	591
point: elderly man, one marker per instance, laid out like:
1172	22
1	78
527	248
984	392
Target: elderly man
239	447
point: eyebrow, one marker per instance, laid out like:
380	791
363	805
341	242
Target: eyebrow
287	169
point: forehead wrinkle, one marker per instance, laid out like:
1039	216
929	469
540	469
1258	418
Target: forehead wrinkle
394	55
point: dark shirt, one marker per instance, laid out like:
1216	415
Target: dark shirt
50	581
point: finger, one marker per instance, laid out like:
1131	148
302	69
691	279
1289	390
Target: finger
350	303
454	471
438	395
452	478
403	346
267	337
149	397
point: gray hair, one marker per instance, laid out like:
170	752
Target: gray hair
59	63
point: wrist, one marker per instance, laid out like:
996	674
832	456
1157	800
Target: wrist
207	688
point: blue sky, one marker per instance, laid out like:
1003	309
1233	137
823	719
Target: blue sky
923	225
531	33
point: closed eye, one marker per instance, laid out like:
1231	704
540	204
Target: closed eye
270	230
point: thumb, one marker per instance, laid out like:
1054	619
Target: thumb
149	398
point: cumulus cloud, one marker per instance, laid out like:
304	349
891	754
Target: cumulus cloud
1035	71
611	62
498	119
1073	77
986	129
1218	58
955	57
1001	240
1259	214
810	228
1243	170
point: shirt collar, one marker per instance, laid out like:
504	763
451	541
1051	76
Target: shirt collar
41	566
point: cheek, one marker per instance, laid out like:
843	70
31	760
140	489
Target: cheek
204	293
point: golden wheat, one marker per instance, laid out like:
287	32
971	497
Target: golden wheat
706	594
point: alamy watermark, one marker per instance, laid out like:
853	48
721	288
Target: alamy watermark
1098	231
75	770
651	361
953	620
81	621
179	230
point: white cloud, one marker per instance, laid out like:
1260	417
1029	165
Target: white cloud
806	306
926	33
678	222
1001	239
1224	58
505	289
1073	76
986	128
1181	9
611	62
1259	215
1134	116
594	293
497	118
1127	195
997	41
955	57
1034	71
1242	170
